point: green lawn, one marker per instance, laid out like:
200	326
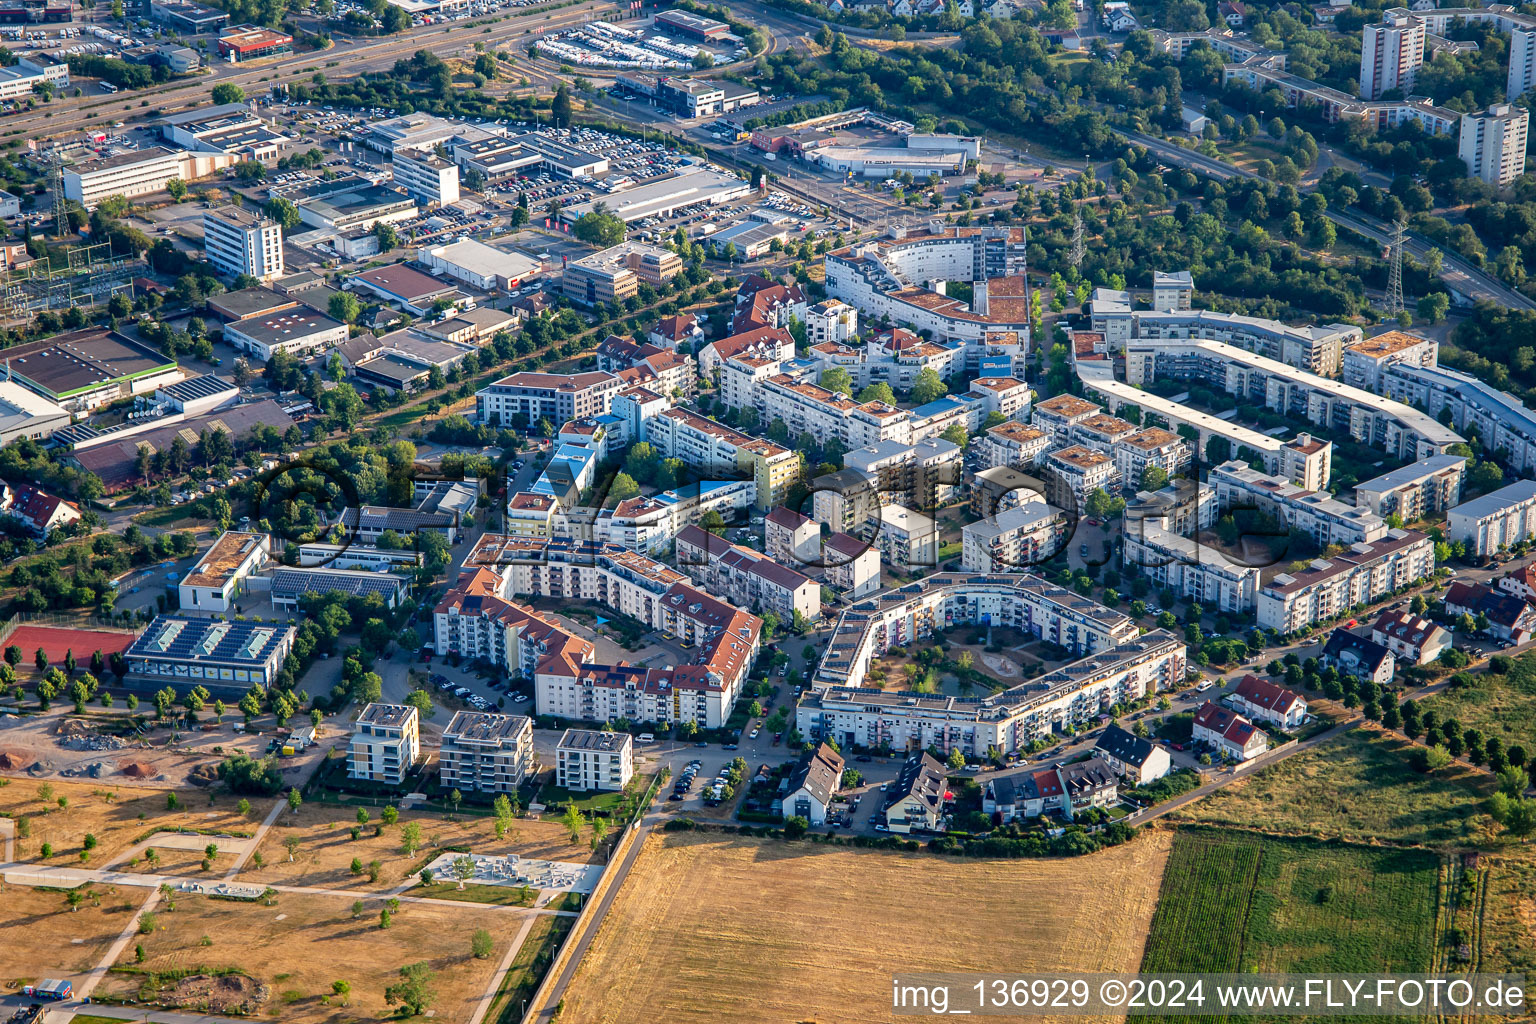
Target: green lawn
586	802
528	967
1358	786
500	895
1235	902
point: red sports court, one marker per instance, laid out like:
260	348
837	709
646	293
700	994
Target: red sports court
57	641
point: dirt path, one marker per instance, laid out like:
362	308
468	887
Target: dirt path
255	843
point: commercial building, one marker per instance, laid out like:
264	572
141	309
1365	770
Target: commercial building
746	578
1412	639
693	26
239	241
589	760
248	42
220	655
229	128
84	369
138	173
664	197
1193	570
920	156
219	576
1391	54
1497	521
478	265
1013	540
486	753
426	177
1329	588
19	81
1412	492
386	739
1006	722
614	274
1493	143
185	16
404	287
25	414
289	586
297	331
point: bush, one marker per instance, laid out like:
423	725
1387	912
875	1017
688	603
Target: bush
244	774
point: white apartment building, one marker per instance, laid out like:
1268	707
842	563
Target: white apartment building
528	397
1366	361
1318	513
1013	445
746	578
790	538
1102	432
1007	722
831	321
714	449
1495	521
239	241
1501	421
1193	570
809	408
1007	397
1415	491
1074	473
908	539
1391	54
386	740
1059	414
1014	540
1152	447
589	760
427	177
922	475
1307	462
1330	588
1315	349
1493	143
486	753
852	565
1172	292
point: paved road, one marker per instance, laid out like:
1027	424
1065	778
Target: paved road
1457	273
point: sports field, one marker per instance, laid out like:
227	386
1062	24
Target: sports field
58	641
1238	902
714	928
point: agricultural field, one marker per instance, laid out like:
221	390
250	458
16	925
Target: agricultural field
1358	786
716	927
1235	902
1508	938
326	847
40	937
285	957
116	817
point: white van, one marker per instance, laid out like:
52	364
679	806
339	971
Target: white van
1205	684
646	737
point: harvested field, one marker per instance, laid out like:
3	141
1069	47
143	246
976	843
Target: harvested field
116	823
38	932
300	945
326	847
712	927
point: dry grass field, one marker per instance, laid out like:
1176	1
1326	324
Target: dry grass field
115	816
41	938
303	943
711	928
326	847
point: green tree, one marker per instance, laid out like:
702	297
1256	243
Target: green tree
560	109
928	386
344	307
573	822
956	759
228	92
599	227
481	944
878	392
342	990
836	379
414	989
410	837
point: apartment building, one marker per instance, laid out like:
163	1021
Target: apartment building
427	177
1318	513
848	501
790	538
1412	639
746	578
1317	350
1366	361
1415	491
714	449
1496	521
1012	445
1391	54
1306	462
1264	73
476	621
240	241
1007	722
1228	733
1263	701
1013	540
614	274
1071	474
1190	569
1183	507
1172	291
908	539
1329	588
852	565
831	322
1500	420
1101	432
1492	143
589	760
486	753
924	475
386	740
811	409
1006	396
1058	415
1152	447
527	397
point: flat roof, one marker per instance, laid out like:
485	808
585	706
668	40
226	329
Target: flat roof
591	739
287	325
697	185
81	360
1411	473
481	259
225	555
228	642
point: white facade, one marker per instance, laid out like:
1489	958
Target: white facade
386	739
586	760
1193	570
427	177
832	321
219	576
1329	588
1495	521
238	241
1391	54
1493	143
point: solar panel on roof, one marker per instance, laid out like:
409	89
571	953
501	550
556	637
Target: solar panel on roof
291	583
